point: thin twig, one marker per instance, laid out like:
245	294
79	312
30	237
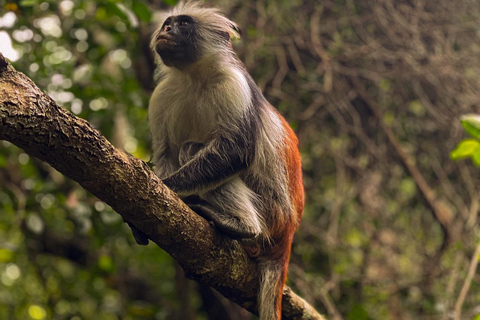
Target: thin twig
466	284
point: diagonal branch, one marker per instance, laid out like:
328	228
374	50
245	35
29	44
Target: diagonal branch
31	120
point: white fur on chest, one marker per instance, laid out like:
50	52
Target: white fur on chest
183	108
180	115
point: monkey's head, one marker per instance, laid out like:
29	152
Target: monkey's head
191	33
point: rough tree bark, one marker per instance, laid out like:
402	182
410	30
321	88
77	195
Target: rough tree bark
31	120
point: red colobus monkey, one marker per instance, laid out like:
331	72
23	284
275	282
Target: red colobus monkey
221	146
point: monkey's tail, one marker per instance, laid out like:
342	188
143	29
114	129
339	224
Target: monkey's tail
272	279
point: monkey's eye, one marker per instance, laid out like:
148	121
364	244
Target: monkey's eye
184	20
166	23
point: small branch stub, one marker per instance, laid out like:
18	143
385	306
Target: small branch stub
3	62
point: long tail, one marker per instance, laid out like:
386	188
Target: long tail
273	273
272	279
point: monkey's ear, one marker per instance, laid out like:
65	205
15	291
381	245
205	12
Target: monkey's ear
233	33
233	30
237	33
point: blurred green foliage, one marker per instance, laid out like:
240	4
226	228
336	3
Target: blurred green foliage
369	246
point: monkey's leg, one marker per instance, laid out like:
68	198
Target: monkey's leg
236	200
233	204
230	225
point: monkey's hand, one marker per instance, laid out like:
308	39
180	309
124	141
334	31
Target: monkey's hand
188	150
212	164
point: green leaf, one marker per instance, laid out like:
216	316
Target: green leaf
385	84
105	263
358	312
105	11
466	148
416	107
28	3
170	2
37	312
5	255
471	123
3	161
476	157
142	11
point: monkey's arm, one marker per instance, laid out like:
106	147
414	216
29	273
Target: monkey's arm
225	155
165	164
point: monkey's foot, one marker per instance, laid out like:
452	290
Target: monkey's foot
251	247
229	225
140	237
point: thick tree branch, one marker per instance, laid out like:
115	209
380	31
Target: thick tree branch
34	122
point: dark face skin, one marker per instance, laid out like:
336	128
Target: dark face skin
176	43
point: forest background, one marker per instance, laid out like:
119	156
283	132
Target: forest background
374	90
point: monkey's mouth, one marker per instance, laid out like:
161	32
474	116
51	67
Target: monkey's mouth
165	39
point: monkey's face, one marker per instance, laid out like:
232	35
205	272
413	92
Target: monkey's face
177	41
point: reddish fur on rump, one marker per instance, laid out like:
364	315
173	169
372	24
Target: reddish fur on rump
283	234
